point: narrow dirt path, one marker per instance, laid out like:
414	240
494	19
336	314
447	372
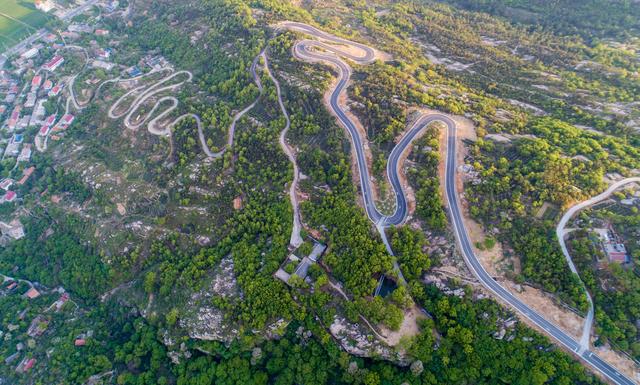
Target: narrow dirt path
296	239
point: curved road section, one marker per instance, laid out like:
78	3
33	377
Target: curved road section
305	50
560	233
296	239
472	261
142	94
309	50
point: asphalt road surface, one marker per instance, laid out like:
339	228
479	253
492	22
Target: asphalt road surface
472	261
305	51
560	233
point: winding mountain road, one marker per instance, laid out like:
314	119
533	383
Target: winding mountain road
145	93
295	240
304	50
561	233
232	127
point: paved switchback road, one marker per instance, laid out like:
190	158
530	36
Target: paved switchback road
305	50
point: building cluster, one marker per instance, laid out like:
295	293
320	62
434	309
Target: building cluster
295	265
39	324
32	80
25	92
612	245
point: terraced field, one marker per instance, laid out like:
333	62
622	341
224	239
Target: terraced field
18	18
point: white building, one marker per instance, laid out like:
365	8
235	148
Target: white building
30	53
45	5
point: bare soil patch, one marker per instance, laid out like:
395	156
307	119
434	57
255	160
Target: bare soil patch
622	363
409	327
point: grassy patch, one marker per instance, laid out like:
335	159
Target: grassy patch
18	19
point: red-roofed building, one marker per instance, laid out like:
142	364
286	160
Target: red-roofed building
10	196
12	285
44	130
80	342
48	85
13	119
28	365
101	32
53	64
26	174
32	293
64	123
68	119
55	91
35	82
50	38
50	120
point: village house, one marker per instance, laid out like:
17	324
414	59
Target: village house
24	122
6	183
38	113
9	196
104	53
13	148
45	5
49	38
80	28
55	91
53	64
31	100
26	173
64	298
64	123
25	154
102	64
32	293
48	85
30	53
70	35
612	245
36	82
38	326
111	6
25	365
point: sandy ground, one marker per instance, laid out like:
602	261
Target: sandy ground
355	51
622	363
409	327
